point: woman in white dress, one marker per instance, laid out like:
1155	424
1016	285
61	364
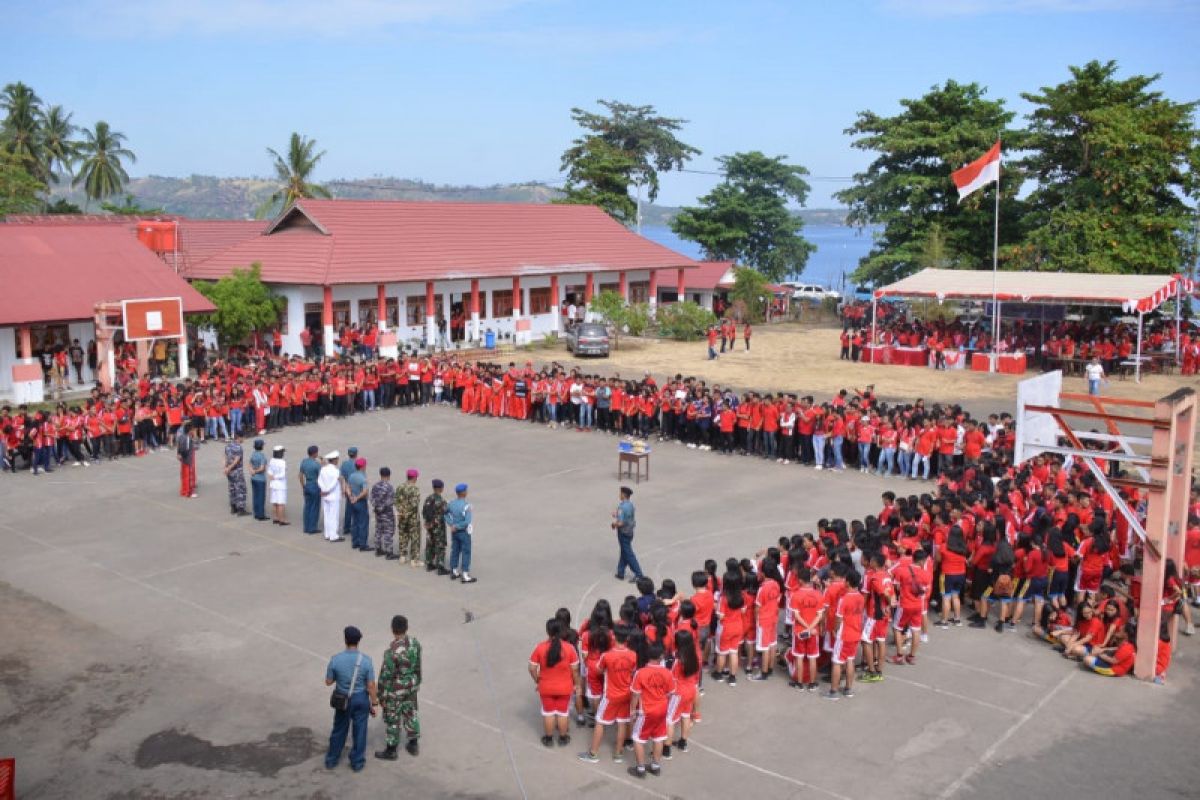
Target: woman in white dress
277	486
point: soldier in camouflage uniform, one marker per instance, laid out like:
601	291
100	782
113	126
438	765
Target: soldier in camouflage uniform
235	475
399	680
408	516
383	502
434	514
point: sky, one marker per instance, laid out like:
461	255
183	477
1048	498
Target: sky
480	91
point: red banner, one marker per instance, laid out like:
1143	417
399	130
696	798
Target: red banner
8	778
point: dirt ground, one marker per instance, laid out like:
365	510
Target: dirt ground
804	359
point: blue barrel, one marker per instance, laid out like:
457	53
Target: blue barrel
489	340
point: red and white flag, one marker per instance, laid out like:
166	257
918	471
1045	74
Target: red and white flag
978	173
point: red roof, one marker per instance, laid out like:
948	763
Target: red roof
200	239
708	276
57	273
327	242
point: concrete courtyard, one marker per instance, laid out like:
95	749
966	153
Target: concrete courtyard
156	647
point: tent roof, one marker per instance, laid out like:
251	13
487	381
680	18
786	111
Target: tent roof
1133	293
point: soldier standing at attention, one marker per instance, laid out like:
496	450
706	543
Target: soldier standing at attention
399	680
258	480
383	501
408	510
434	514
459	521
310	468
235	475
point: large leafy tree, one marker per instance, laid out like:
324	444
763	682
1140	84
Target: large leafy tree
19	190
626	146
294	173
1114	163
244	303
907	188
19	132
102	169
56	143
746	216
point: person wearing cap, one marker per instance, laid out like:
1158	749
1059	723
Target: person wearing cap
459	520
408	518
433	512
353	675
345	470
329	483
277	483
383	503
310	469
624	522
235	474
356	496
258	480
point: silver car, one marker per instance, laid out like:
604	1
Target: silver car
588	339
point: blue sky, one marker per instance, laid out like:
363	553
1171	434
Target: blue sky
479	91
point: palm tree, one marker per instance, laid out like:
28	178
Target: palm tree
58	150
293	174
19	130
100	169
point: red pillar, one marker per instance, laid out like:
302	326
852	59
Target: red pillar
681	286
474	295
623	285
429	309
653	293
555	300
381	314
516	296
589	288
26	344
327	306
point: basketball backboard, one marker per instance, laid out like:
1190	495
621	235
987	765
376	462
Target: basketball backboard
152	318
1036	431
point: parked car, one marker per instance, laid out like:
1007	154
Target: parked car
811	292
588	339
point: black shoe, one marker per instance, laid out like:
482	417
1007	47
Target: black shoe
564	739
548	741
243	513
979	623
379	552
637	772
412	747
443	571
430	567
389	754
391	557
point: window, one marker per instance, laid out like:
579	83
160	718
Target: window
283	315
639	292
539	300
502	303
608	287
368	310
415	309
341	313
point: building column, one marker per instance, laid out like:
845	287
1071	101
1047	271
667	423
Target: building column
589	288
653	292
327	320
381	299
623	285
556	303
182	357
430	317
516	294
26	344
681	286
476	331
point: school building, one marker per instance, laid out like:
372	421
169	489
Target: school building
430	272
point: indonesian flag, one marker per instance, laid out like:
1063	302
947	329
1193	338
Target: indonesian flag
978	173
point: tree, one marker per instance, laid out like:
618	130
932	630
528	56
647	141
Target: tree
907	188
684	321
244	304
101	171
19	132
628	145
62	206
1114	163
130	208
59	151
746	218
294	174
750	293
19	190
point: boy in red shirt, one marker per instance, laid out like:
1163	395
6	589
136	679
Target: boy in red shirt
807	614
651	689
847	633
617	667
766	612
702	599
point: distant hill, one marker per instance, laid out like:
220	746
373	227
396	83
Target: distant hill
207	197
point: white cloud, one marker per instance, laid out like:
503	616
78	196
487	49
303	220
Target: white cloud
968	8
280	18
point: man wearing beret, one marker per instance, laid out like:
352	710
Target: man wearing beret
433	512
459	521
408	518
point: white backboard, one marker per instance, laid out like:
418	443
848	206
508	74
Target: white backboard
1036	430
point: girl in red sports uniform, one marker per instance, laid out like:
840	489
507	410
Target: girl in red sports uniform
686	671
730	628
554	667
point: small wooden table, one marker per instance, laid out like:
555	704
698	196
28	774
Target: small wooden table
627	462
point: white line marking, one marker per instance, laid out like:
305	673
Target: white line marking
983	760
765	771
891	676
202	562
989	672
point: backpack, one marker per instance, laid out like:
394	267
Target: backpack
1003	586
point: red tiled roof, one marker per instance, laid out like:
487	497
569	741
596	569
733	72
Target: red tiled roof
200	239
57	273
708	276
369	241
79	219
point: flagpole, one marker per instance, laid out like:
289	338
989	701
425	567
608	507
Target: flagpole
995	268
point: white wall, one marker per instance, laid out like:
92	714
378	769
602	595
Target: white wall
8	357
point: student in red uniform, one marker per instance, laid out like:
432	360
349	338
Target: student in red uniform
1114	661
686	671
730	628
766	615
554	667
847	633
702	599
807	615
616	667
651	690
909	578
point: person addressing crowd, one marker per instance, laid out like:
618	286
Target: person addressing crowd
623	523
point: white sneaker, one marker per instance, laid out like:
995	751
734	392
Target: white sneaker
403	559
924	638
819	467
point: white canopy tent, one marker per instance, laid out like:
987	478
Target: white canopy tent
1138	294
